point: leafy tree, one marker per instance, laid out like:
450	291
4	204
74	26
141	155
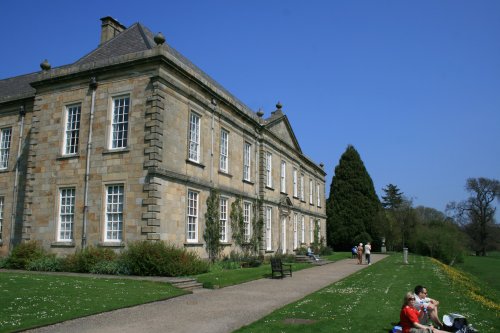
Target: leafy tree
211	234
353	206
257	227
393	198
477	213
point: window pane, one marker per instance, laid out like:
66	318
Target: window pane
114	213
66	214
120	122
192	216
5	138
72	132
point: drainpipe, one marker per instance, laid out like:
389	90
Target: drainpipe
22	113
93	86
214	103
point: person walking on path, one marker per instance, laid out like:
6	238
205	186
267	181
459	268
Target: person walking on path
360	253
368	249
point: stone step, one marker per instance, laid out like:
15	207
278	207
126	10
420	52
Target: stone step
187	284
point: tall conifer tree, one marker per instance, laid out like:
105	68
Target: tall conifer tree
353	206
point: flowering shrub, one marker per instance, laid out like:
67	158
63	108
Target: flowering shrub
83	261
160	259
23	253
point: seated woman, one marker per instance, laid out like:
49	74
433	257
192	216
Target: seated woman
311	254
409	317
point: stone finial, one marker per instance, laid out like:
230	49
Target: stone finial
322	166
159	38
278	105
260	113
45	66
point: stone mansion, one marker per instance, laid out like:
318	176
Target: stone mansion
126	144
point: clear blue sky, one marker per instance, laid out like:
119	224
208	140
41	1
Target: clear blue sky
413	85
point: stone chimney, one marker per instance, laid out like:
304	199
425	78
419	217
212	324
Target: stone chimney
110	28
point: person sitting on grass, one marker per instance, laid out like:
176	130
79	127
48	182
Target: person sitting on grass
311	254
427	305
409	317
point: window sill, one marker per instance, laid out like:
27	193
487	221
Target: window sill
188	161
4	170
285	193
115	151
248	182
295	197
226	244
67	157
269	251
269	188
63	244
193	244
223	173
112	244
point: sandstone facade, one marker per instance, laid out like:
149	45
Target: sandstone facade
126	143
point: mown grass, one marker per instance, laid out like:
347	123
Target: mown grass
220	278
30	300
370	300
485	270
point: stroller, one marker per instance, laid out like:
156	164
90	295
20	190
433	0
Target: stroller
456	323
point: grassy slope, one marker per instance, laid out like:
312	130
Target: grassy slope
30	300
370	300
487	270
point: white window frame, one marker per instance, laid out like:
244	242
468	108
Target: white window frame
302	194
311	192
5	142
247	218
115	206
1	217
269	214
120	118
303	229
66	219
192	216
318	196
194	152
295	231
311	231
247	153
295	184
283	177
223	219
72	129
224	151
269	169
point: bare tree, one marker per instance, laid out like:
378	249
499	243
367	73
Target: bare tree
477	213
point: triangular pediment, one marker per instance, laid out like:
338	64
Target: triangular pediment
280	126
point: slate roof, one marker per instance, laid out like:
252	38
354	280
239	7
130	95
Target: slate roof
17	87
136	38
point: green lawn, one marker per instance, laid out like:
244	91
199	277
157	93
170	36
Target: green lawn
220	278
29	300
370	300
486	269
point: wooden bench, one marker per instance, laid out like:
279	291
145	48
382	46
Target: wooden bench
277	266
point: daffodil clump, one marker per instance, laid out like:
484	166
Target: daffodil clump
473	290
